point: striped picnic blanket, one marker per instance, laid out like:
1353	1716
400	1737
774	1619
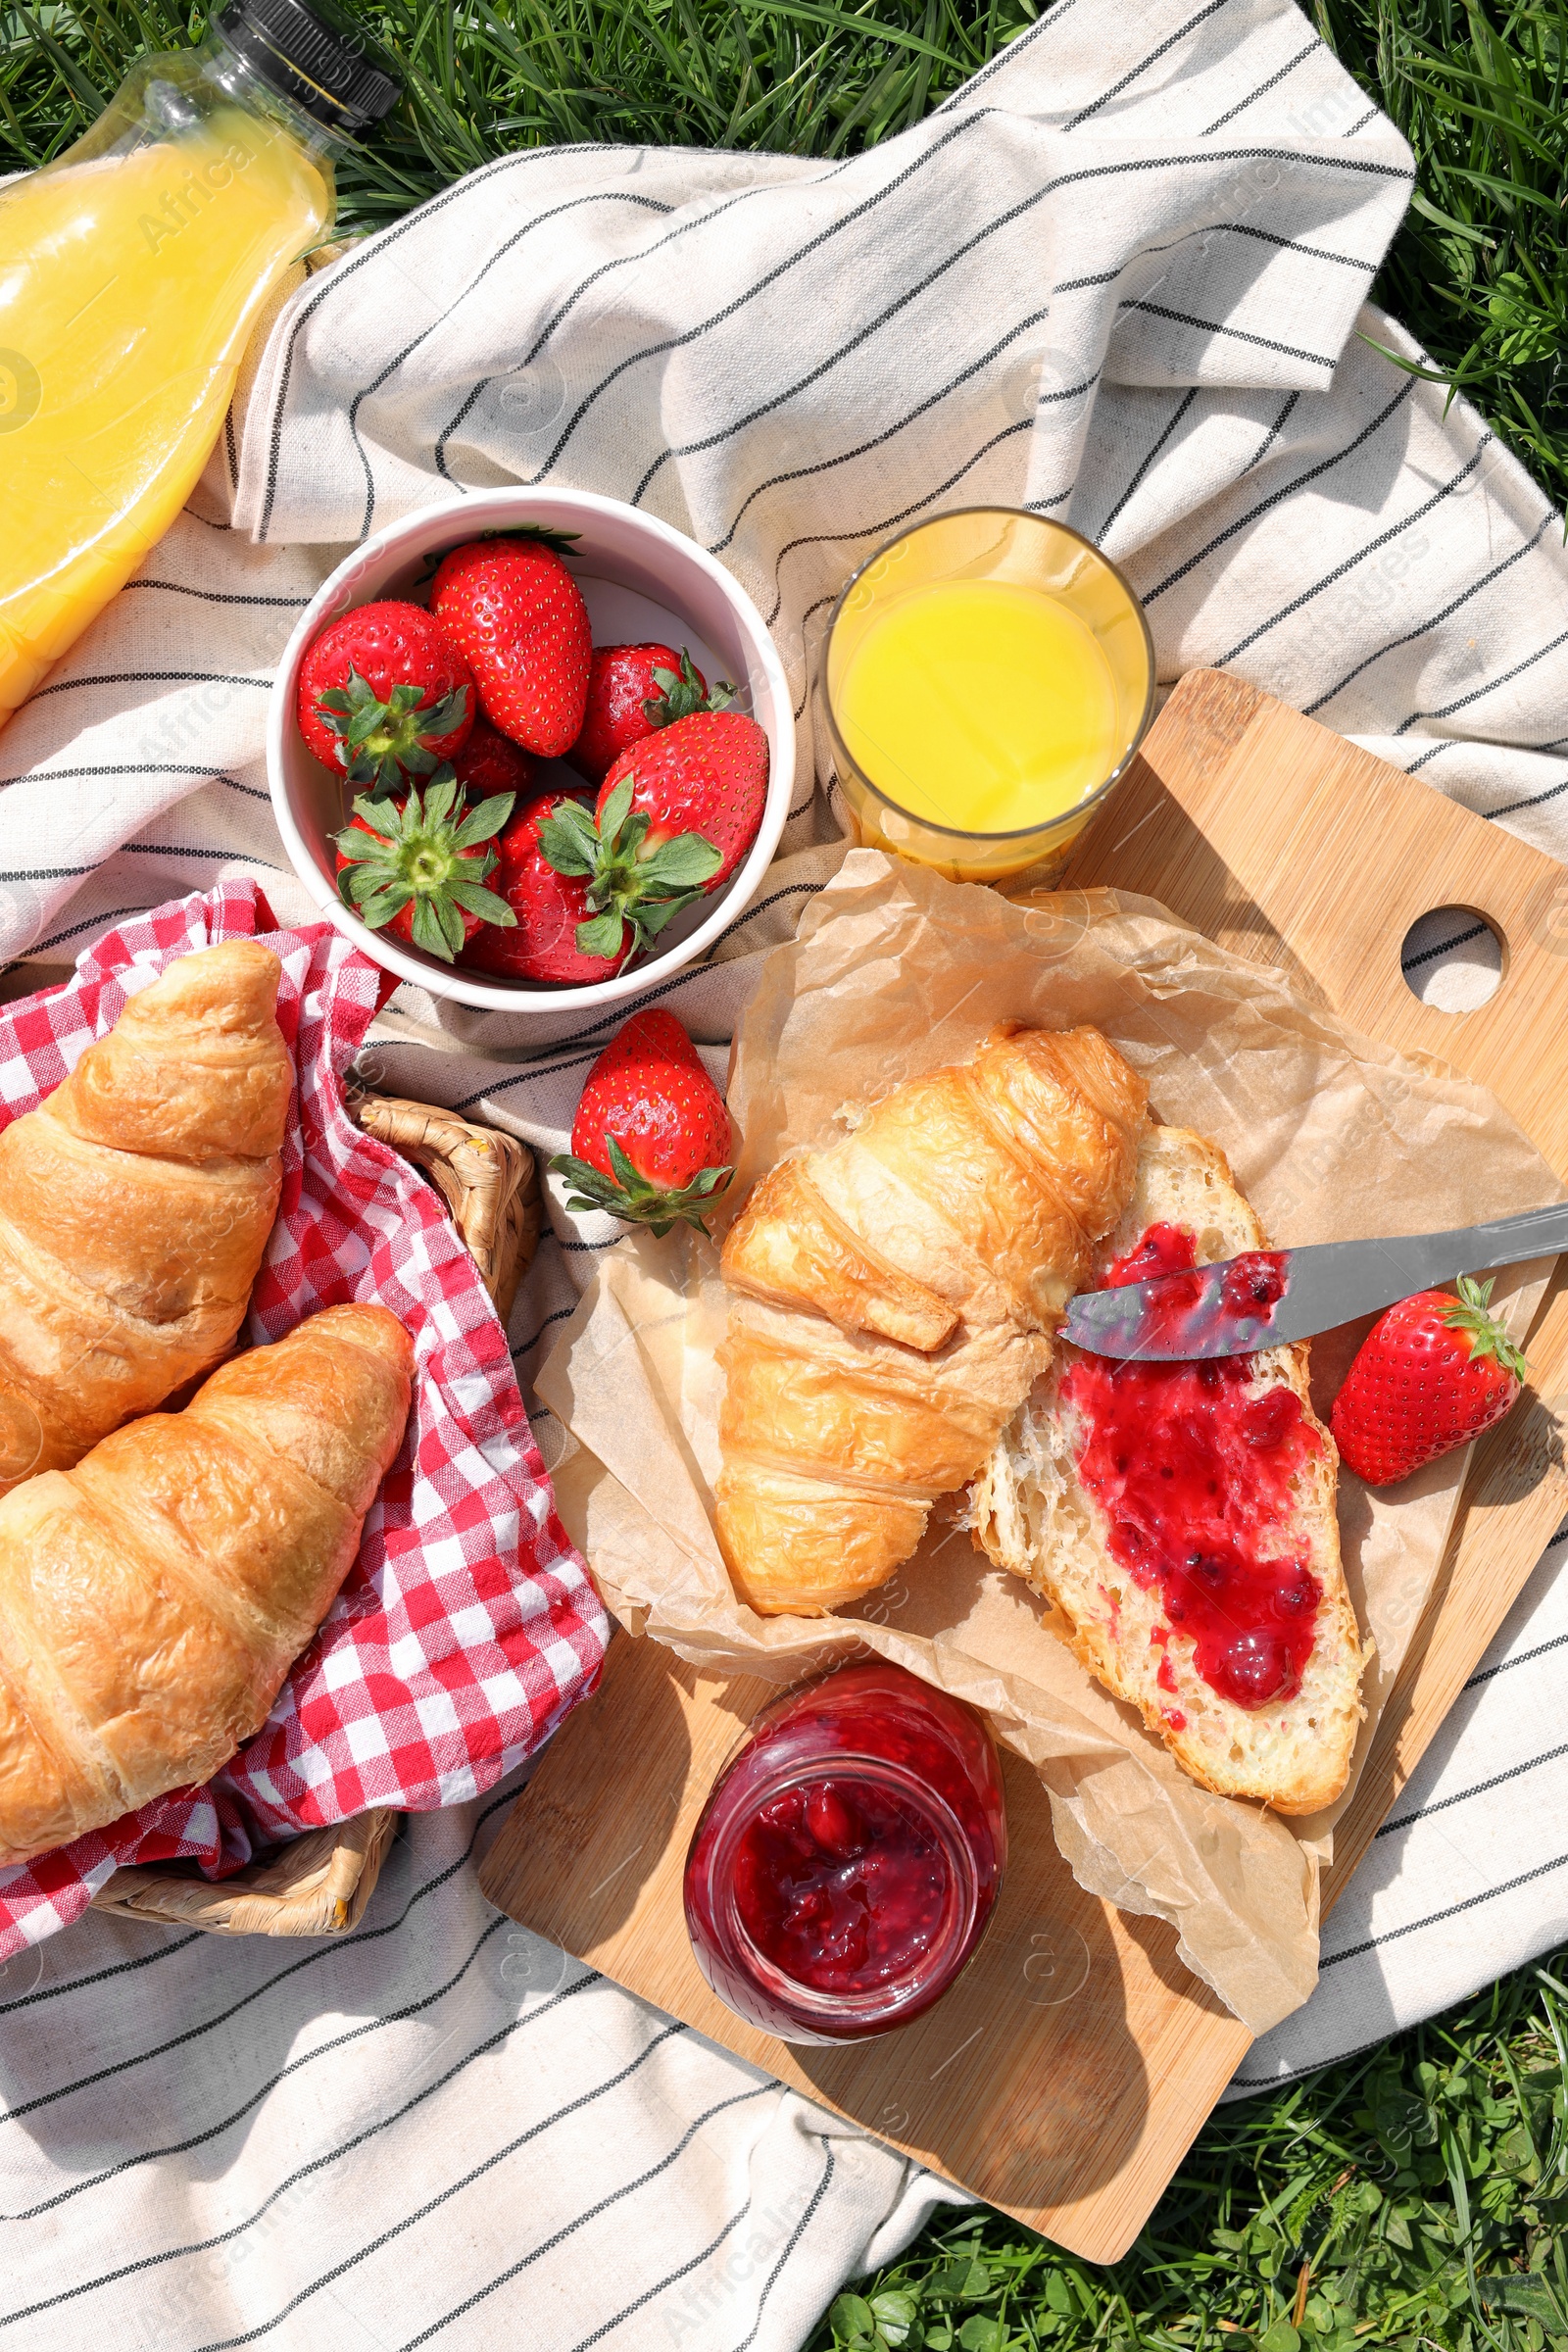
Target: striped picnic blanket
1121	278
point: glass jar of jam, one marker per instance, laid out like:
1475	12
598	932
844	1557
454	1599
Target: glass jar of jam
848	1858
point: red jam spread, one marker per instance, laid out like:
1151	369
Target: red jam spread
1183	1316
1193	1475
839	1885
847	1861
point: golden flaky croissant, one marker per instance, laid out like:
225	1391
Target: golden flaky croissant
896	1298
134	1206
153	1598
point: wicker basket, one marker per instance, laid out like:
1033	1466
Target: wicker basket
320	1883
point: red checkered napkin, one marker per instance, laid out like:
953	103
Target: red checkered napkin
468	1627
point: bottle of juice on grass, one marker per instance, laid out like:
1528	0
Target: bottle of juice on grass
131	272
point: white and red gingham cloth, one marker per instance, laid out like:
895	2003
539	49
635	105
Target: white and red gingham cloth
468	1628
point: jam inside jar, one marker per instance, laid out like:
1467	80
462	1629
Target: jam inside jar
848	1857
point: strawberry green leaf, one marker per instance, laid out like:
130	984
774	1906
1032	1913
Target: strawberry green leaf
646	892
543	534
379	818
617	809
483	903
631	1196
1471	1315
485	821
379	909
683	862
382	744
620	1166
651	917
364	882
680	693
429	932
633	833
560	850
408	853
602	936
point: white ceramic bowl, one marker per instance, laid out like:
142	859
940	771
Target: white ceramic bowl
640	579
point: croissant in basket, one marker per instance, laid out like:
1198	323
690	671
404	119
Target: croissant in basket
153	1598
894	1297
135	1203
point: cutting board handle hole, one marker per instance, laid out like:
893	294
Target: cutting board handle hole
1452	958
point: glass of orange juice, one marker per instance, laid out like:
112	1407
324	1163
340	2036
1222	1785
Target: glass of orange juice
989	677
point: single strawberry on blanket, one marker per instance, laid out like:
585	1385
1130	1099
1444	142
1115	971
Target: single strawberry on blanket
517	615
1432	1373
385	697
651	1142
549	909
674	816
417	868
633	690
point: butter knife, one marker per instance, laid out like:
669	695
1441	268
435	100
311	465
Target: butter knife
1268	1298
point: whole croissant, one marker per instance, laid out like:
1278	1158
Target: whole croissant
899	1290
135	1203
153	1598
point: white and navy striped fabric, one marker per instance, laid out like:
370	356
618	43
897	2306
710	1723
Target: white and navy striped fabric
437	2130
1120	277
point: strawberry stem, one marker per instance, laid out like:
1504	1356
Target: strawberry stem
383	744
1471	1313
631	1196
421	854
680	695
626	884
543	534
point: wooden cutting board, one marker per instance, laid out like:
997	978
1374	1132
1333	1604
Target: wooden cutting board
1067	2072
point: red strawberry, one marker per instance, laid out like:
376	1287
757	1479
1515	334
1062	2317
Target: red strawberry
417	868
492	763
676	815
633	689
513	610
548	912
383	695
651	1142
705	774
1431	1374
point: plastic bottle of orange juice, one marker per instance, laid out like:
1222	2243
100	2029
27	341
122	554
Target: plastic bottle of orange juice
131	273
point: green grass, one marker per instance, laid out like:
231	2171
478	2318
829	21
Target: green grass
1415	2197
1424	2189
798	76
1478	271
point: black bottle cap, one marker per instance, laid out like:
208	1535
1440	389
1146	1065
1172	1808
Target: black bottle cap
315	56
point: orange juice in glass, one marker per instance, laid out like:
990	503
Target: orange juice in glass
989	678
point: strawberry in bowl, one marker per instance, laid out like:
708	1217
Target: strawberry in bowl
549	911
494	558
418	868
492	763
675	815
383	695
633	690
517	615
